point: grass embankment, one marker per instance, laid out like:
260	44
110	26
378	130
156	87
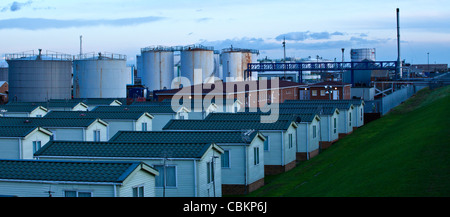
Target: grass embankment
405	153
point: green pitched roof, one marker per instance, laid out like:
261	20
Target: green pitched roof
16	131
66	171
89	101
19	108
317	105
353	101
226	125
256	116
191	105
95	115
183	137
46	122
135	108
123	149
50	104
307	110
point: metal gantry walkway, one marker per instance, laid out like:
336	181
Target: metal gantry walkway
323	67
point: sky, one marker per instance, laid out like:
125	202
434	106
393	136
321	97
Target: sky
310	28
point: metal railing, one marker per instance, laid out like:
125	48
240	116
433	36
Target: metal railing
101	55
233	49
31	55
315	66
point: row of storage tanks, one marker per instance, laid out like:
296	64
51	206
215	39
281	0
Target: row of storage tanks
40	77
158	66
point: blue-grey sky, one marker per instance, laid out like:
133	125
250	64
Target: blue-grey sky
320	27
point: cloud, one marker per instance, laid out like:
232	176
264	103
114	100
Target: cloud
245	42
302	36
204	19
298	43
16	6
41	23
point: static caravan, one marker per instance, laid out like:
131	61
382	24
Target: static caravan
21	142
23	111
308	125
141	121
76	179
242	161
76	129
358	110
185	169
279	146
161	114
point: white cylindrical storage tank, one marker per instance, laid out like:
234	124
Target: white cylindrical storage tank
197	63
158	68
360	54
130	74
234	63
232	66
102	76
39	78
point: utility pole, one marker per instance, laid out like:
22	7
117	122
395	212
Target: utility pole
399	61
284	59
342	66
165	157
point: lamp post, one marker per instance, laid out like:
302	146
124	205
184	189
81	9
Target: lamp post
329	90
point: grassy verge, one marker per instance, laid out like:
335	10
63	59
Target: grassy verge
404	153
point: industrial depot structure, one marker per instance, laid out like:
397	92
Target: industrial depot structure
43	76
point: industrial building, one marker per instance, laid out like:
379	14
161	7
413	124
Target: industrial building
308	76
160	67
251	93
102	75
234	64
156	67
197	64
39	77
329	90
431	67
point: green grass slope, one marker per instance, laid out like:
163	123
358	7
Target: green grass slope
406	153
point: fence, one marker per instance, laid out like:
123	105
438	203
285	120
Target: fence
385	104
